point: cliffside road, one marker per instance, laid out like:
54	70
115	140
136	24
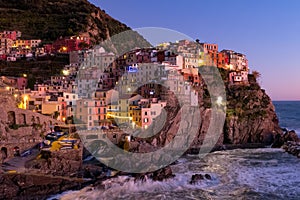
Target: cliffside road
18	163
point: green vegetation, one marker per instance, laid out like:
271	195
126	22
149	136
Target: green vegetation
36	70
50	19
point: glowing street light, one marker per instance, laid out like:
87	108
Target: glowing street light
66	72
219	101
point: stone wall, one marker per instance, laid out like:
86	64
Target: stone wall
21	128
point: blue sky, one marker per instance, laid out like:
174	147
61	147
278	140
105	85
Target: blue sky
267	31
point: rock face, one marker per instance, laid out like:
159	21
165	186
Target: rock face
250	117
288	136
19	186
292	148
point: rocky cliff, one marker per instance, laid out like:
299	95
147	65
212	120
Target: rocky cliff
250	117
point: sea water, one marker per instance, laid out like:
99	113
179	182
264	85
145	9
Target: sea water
288	113
236	174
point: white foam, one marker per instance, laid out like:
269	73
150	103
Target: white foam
234	172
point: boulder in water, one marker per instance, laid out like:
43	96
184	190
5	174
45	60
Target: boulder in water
291	136
199	177
278	141
162	174
288	136
141	177
207	176
196	178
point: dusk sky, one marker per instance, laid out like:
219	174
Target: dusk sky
267	31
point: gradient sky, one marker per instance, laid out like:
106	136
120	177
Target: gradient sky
267	31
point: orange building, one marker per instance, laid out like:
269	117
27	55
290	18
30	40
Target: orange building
223	60
191	75
212	51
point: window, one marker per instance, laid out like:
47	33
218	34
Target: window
67	96
146	120
146	113
90	117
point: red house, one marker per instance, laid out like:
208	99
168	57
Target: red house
66	45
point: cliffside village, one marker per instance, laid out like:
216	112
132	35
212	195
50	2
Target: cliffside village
99	90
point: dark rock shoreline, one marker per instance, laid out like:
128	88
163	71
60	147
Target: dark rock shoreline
31	186
289	141
292	148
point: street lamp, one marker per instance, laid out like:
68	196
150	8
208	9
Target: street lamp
219	101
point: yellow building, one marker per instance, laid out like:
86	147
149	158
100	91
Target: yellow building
136	114
48	108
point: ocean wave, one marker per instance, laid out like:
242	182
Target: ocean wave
241	173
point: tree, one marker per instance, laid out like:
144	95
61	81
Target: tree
256	74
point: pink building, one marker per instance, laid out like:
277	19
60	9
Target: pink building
146	117
238	77
16	82
150	109
13	35
21	83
